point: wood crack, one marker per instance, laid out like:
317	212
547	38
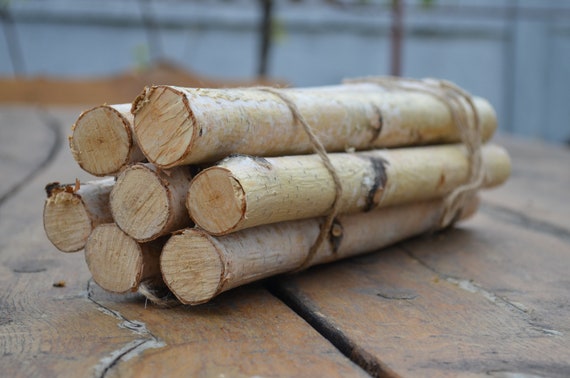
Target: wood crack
107	363
297	302
475	288
131	349
521	219
55	127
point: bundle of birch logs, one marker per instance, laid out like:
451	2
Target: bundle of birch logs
210	189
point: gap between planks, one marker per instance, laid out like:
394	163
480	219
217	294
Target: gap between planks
303	306
298	304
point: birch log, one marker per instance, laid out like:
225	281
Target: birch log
176	126
244	191
102	140
197	266
117	262
147	202
72	211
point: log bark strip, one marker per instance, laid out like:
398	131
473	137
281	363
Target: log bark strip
70	213
117	262
197	266
102	140
176	126
242	191
147	202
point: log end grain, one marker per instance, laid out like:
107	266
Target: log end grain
114	259
140	203
101	141
67	222
164	125
216	201
192	266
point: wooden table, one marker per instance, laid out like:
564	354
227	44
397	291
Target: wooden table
489	298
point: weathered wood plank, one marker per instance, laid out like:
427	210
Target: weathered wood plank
538	189
246	333
526	269
49	331
46	330
26	141
489	298
17	216
78	330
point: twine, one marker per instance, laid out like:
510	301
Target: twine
319	149
460	104
157	293
464	116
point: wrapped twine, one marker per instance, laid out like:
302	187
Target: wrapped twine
320	150
464	116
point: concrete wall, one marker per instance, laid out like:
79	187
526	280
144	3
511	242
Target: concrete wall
515	53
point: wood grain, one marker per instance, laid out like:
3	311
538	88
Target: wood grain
489	298
46	330
526	269
117	262
248	333
147	202
19	130
537	192
72	211
102	142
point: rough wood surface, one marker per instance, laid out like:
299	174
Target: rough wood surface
243	191
102	140
20	127
248	334
76	329
176	126
37	320
147	202
197	266
470	301
72	211
537	192
119	263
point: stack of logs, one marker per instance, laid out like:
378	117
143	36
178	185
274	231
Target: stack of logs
173	213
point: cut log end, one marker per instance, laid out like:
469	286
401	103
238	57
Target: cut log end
114	259
66	222
101	141
140	203
216	201
192	267
167	107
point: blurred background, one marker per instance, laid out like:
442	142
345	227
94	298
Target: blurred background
515	53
